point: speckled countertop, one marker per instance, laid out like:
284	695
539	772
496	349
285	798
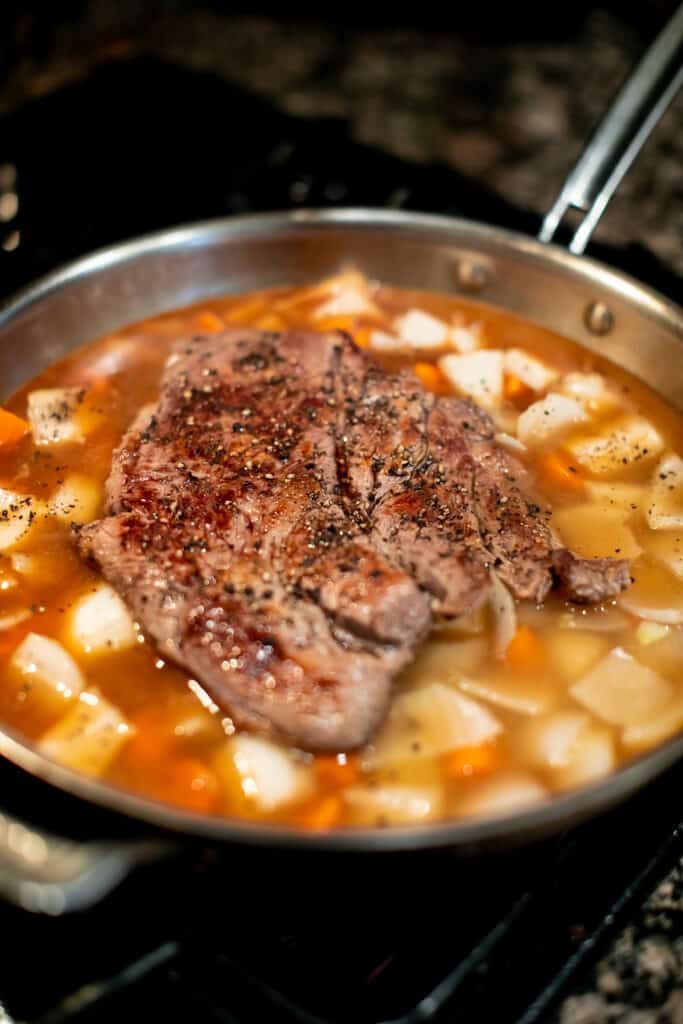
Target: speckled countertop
640	980
514	115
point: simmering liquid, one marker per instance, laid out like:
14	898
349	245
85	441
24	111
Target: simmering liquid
500	709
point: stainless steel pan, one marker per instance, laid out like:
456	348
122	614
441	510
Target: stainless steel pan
574	296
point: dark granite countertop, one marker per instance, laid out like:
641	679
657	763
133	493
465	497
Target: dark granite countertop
511	113
640	980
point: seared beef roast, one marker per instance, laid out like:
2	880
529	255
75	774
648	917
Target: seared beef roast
287	518
424	478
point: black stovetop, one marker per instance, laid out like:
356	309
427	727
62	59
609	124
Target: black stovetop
140	146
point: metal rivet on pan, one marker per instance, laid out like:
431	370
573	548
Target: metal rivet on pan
472	275
598	318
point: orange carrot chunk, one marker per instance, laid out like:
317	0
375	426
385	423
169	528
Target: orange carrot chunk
432	377
321	814
525	650
151	741
466	762
12	428
208	321
190	784
339	770
516	391
559	469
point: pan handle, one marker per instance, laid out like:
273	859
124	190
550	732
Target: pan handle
44	873
621	134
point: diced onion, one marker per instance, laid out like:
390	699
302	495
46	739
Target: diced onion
260	774
89	737
100	622
594	532
593	755
549	418
666	547
572	652
591	390
348	294
466	339
583	385
665	655
505	794
536	374
655	594
393	805
567	748
18	517
524	695
630	499
479	375
510	442
420	330
621	691
54	415
655	729
547	742
504	612
665	509
34	566
49	677
625	441
77	499
651	633
431	721
381	341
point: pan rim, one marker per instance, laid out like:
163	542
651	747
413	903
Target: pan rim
549	816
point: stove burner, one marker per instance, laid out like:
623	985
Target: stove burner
507	952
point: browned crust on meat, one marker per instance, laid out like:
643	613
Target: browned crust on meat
287	518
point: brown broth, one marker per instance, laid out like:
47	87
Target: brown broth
183	753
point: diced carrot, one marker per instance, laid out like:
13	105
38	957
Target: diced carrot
151	741
208	321
361	336
432	377
525	650
560	470
336	323
470	761
321	814
270	322
186	782
12	428
244	312
516	391
339	770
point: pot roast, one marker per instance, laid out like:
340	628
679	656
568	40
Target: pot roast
289	518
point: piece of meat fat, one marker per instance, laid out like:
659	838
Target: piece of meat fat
590	580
